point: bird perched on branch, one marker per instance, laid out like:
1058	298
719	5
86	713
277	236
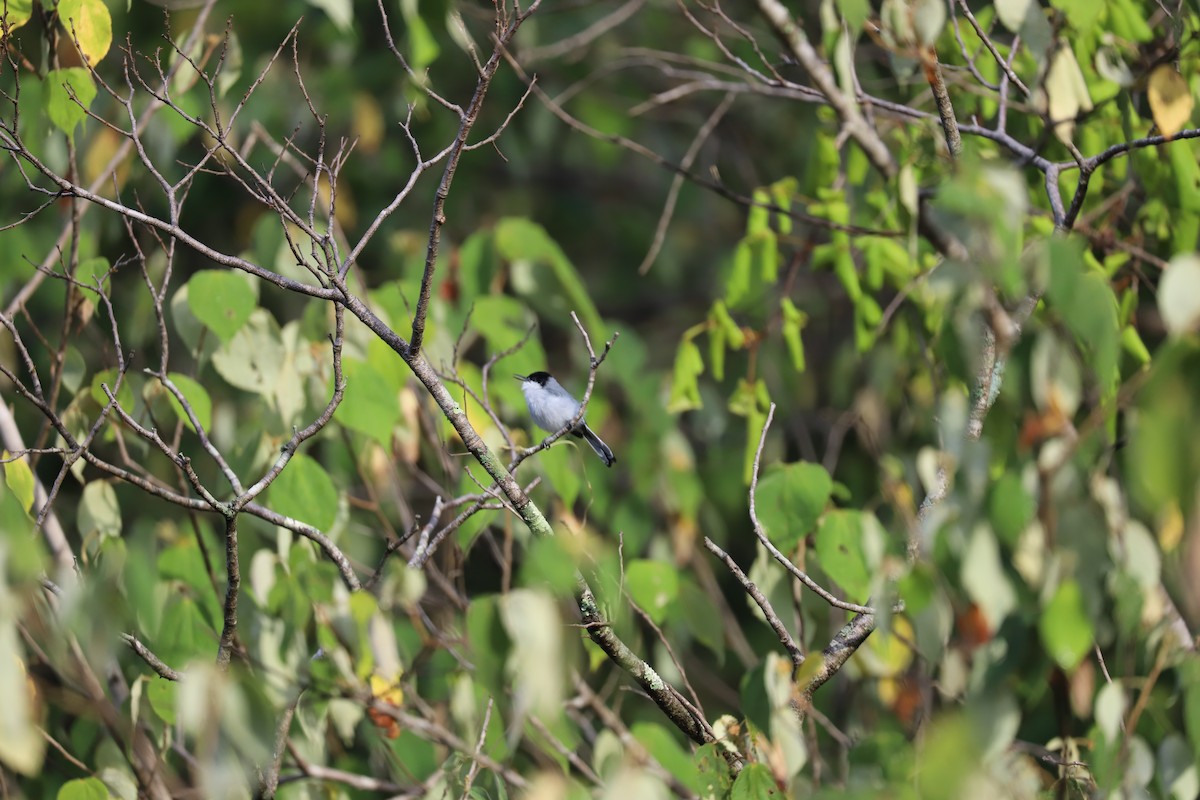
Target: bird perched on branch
552	408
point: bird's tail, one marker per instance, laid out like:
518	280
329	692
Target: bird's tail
602	450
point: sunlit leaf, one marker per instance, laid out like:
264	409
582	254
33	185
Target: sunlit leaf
90	24
16	13
1011	13
83	789
1170	99
19	478
252	359
1065	91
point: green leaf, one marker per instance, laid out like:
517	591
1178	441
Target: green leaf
766	256
737	285
653	585
99	512
74	369
543	274
685	391
19	478
758	218
1010	508
17	13
564	464
747	399
304	491
89	24
1132	342
221	299
62	109
340	12
489	642
755	782
949	757
535	662
856	13
733	332
108	377
665	748
161	694
544	564
422	46
370	405
702	617
83	789
196	396
95	272
183	561
1012	13
1163	465
253	359
1081	14
839	546
794	321
185	635
790	500
1065	626
714	778
716	351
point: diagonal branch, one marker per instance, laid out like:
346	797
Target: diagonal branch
468	117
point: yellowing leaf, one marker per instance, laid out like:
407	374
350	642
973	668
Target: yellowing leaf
19	478
16	13
387	691
1065	92
89	24
1170	100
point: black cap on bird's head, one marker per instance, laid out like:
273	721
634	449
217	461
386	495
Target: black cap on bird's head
539	378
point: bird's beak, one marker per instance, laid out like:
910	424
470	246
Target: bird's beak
521	378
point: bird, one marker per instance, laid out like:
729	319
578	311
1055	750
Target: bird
552	408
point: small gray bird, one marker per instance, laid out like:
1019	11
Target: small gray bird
552	407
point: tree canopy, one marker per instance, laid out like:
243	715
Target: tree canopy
889	310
